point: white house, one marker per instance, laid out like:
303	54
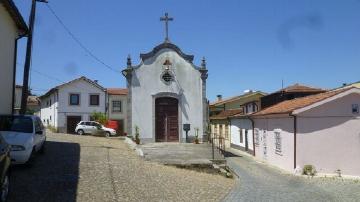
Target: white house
66	105
12	27
322	130
117	108
166	91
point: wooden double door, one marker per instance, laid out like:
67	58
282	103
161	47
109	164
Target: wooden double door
166	119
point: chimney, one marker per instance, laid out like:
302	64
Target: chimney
344	84
219	97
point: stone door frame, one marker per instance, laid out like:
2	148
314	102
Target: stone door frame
166	94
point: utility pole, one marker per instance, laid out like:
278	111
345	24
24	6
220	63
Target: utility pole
25	89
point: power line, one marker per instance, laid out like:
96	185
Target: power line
79	42
47	76
44	75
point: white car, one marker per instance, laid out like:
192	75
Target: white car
25	134
93	128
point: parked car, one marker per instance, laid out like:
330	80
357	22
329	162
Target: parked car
25	134
5	162
93	128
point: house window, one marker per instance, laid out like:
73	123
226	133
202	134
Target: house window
277	141
241	135
256	137
94	100
255	108
355	108
116	106
74	99
50	102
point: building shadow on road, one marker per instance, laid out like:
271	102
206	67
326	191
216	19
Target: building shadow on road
53	176
229	154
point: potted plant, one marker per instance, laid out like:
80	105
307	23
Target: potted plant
309	170
137	135
196	141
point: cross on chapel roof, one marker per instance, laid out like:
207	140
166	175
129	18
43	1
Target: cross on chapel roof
166	18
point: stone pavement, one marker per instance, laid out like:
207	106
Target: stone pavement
85	168
179	153
259	182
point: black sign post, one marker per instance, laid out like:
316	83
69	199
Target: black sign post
186	128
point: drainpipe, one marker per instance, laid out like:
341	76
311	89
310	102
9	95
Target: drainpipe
295	132
253	133
14	74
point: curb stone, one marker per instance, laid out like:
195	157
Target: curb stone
134	146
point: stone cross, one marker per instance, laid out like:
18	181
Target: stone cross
166	19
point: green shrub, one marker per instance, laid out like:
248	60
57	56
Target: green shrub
137	135
309	170
99	117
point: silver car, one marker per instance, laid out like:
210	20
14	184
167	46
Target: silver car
93	128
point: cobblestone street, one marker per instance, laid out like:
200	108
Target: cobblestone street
259	182
85	168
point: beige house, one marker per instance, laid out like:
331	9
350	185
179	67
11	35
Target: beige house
222	109
12	27
322	130
32	105
117	107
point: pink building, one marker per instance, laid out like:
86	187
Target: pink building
322	130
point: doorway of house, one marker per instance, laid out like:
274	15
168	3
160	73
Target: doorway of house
71	122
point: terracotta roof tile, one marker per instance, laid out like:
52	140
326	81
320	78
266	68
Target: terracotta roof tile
33	100
300	88
117	91
226	113
290	105
227	100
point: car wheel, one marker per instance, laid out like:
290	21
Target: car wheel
107	134
5	188
80	132
30	162
42	149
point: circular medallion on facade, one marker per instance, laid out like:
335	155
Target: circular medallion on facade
167	77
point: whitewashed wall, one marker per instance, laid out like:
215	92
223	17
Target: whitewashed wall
48	113
8	34
243	124
265	149
146	84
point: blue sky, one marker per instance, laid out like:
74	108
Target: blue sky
248	44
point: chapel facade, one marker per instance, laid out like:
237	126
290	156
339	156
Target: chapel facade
167	92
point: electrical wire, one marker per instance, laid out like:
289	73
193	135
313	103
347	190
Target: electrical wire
76	39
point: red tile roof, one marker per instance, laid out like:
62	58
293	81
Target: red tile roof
300	88
289	106
226	113
117	91
234	98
